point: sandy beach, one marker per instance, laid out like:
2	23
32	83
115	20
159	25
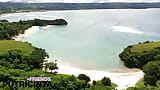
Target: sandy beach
123	79
27	33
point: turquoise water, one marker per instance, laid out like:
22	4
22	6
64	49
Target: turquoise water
88	41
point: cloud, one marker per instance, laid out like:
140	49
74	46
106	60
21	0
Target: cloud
79	1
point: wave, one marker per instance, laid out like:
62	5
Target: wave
126	29
6	15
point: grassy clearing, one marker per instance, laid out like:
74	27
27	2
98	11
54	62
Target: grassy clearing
6	45
145	47
140	83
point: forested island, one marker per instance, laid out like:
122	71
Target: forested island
11	29
145	56
10	7
20	60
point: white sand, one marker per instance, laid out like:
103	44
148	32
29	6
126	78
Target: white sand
27	33
123	78
30	32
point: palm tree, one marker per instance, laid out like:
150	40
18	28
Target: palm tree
52	66
45	65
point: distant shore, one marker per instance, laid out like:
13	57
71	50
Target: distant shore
124	79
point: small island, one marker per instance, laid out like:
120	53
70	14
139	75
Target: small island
39	22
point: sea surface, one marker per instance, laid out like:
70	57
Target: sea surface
93	39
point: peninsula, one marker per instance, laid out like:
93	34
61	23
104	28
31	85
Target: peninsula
11	29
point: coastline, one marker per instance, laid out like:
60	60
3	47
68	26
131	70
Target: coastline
27	33
30	31
124	79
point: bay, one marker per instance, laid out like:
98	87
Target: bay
93	39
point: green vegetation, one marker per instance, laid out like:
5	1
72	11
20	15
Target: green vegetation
152	72
60	81
141	86
52	66
146	46
84	77
20	60
38	22
8	45
11	29
104	84
145	56
106	81
136	56
19	55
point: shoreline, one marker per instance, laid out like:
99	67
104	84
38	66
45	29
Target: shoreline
3	14
30	31
123	79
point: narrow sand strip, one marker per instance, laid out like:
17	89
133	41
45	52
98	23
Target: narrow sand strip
27	33
30	32
123	79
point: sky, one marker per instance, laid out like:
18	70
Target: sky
79	1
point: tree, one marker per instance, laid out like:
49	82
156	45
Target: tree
106	81
152	72
84	77
94	82
52	66
45	65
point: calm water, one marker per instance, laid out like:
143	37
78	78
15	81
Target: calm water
93	38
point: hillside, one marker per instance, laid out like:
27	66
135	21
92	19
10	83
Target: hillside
136	56
145	47
20	60
6	45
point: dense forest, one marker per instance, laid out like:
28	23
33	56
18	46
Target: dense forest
145	56
151	80
10	29
9	7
